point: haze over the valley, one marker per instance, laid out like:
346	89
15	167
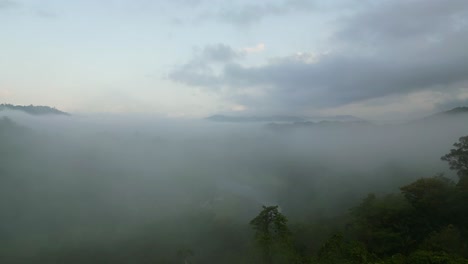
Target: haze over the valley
154	131
72	183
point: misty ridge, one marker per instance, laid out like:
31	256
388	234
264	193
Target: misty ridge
109	188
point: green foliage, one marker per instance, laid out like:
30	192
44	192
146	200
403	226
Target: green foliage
272	236
449	239
425	216
270	225
383	224
308	237
458	160
429	193
432	200
337	250
424	257
430	257
184	254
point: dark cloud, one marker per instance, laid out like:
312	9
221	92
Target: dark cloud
196	74
219	53
200	70
341	79
4	4
392	48
398	20
456	98
189	3
239	14
46	14
252	13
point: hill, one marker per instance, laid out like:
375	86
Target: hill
282	119
454	111
32	109
254	119
321	124
445	115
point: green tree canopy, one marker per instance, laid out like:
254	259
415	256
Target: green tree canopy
458	160
272	234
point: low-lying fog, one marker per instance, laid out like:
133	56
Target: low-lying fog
73	182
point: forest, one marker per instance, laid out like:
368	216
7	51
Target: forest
109	190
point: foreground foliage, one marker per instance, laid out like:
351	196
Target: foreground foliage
425	223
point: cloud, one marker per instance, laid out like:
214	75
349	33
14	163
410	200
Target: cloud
195	74
249	14
238	108
399	20
339	79
398	107
238	13
46	14
5	93
457	97
387	49
200	70
5	4
219	53
257	48
188	3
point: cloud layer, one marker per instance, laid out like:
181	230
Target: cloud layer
252	13
4	4
386	48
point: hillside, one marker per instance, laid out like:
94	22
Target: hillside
33	109
282	119
253	119
454	111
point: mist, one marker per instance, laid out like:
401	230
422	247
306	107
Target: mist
85	188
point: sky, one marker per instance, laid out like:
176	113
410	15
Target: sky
375	59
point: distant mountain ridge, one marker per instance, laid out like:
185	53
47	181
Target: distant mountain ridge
281	119
321	124
33	110
454	111
457	111
253	119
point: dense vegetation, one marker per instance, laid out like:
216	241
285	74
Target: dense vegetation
426	223
71	202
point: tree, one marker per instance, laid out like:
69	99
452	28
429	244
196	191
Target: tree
184	254
458	160
429	194
337	250
270	231
382	224
433	201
